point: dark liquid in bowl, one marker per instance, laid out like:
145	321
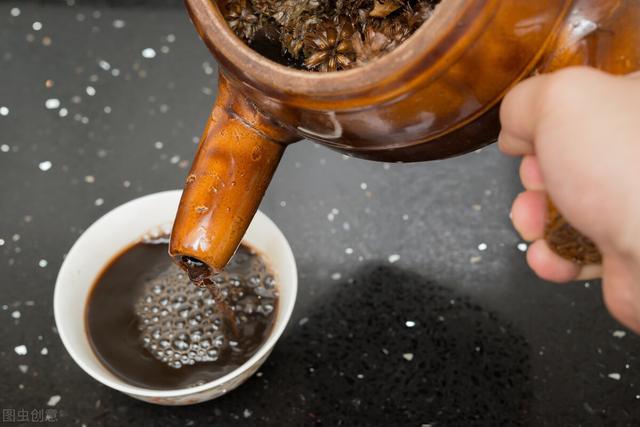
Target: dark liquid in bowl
152	328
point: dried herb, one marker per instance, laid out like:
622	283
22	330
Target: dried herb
326	35
328	47
242	19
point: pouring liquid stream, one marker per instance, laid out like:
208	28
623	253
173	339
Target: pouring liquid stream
203	276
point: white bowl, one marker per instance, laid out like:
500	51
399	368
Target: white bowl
125	225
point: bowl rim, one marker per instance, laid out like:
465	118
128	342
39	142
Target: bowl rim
66	270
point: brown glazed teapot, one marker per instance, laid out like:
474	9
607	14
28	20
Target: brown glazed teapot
437	95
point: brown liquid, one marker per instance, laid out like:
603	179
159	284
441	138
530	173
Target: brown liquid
152	328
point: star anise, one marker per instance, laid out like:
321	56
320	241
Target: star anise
289	11
265	7
395	28
329	47
373	45
383	8
293	38
416	15
242	19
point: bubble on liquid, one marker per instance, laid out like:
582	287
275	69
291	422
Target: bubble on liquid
181	324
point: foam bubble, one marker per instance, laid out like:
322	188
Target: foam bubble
182	324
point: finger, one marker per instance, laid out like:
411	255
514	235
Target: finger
589	272
620	294
513	146
550	266
531	174
519	115
529	214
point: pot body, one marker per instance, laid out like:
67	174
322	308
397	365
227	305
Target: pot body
434	96
441	100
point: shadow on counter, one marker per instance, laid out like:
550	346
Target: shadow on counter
386	348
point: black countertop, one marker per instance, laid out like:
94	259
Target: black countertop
377	245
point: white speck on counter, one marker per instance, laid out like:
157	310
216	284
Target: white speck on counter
208	70
63	112
90	90
23	368
246	413
15	237
393	258
405	217
408	357
4	148
126	184
475	259
283	203
104	65
303	321
165	49
45	166
53	400
615	376
4	111
37	26
410	323
360	376
348	251
363	186
148	53
16	314
477	207
619	334
158	145
44	351
20	350
107	109
174	159
89	179
42	263
482	247
336	276
52	103
522	247
15	12
29	303
1	242
99	202
587	284
118	23
171	38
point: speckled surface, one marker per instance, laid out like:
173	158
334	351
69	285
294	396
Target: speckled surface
415	304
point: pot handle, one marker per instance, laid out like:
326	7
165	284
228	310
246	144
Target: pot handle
237	156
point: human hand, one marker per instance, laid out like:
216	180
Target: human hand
579	132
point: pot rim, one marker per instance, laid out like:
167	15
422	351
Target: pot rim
437	43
